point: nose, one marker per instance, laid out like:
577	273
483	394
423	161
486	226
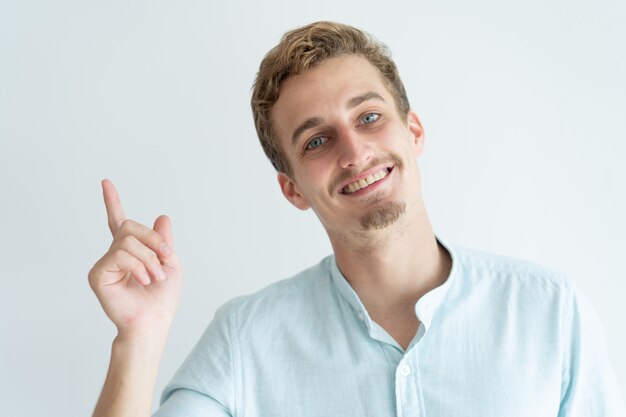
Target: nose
354	150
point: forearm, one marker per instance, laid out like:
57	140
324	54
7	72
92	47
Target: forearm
129	386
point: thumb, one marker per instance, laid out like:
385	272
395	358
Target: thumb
163	226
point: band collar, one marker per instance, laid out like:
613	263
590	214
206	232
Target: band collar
425	306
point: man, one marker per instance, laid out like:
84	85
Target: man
395	322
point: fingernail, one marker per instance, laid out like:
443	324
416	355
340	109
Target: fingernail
165	249
162	275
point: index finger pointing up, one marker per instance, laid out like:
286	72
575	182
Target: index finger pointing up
115	211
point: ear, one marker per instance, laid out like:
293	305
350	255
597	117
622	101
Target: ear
417	132
290	190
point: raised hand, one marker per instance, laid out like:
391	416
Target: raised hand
139	279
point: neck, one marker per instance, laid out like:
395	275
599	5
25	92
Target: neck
393	268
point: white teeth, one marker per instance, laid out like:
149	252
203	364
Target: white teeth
364	182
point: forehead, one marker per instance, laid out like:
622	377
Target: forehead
323	89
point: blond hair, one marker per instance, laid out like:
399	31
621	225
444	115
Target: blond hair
302	49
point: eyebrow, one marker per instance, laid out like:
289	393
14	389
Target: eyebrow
308	124
355	101
316	121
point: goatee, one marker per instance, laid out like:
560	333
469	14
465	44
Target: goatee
382	216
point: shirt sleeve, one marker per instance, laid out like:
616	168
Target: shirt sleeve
204	386
589	387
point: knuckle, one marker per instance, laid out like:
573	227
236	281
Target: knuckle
127	240
91	278
94	273
156	239
154	260
126	224
137	266
139	269
118	254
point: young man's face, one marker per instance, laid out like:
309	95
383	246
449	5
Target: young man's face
339	126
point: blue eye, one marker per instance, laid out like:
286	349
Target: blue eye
370	118
315	142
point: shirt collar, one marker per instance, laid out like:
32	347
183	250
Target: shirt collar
425	306
348	293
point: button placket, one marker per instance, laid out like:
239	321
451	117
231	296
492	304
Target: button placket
407	391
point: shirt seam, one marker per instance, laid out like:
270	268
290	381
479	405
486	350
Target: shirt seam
235	362
555	280
566	314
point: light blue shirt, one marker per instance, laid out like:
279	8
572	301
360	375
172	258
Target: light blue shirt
500	338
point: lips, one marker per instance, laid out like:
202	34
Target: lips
365	180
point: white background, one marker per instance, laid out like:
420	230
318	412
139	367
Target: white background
523	104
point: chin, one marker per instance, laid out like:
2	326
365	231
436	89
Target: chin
383	216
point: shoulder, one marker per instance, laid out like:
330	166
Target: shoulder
286	298
480	267
507	297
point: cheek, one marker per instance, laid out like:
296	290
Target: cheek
317	172
317	190
310	187
409	142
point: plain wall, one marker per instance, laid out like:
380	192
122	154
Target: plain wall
523	104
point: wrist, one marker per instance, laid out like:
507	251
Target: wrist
144	330
147	340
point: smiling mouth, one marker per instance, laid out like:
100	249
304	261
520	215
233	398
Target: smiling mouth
367	181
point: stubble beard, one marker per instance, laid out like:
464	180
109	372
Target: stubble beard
383	216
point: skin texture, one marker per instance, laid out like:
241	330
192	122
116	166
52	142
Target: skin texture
393	264
138	283
351	146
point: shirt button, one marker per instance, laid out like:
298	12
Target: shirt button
361	316
405	370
